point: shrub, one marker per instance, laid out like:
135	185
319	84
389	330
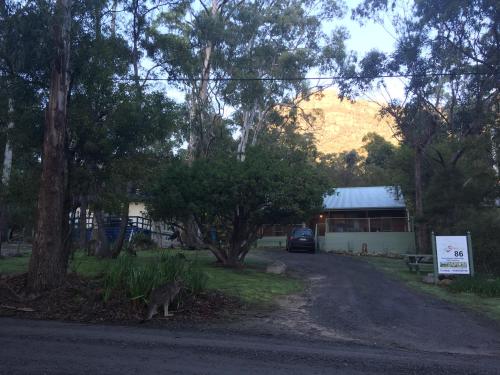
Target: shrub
196	279
480	285
483	225
117	274
141	241
137	279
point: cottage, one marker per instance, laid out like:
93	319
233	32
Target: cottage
365	219
357	219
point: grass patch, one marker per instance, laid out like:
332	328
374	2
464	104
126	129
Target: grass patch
467	292
251	284
10	265
484	286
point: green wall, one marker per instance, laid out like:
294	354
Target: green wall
272	241
378	242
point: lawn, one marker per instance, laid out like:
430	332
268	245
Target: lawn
251	284
396	267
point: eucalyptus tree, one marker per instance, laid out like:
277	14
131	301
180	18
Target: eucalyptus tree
49	259
187	42
378	165
449	53
344	168
244	57
100	59
23	73
136	19
274	45
118	121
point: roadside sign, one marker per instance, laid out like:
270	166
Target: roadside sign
453	255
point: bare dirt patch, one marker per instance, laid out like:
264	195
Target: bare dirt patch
82	300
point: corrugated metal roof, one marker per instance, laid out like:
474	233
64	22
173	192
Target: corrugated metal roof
364	197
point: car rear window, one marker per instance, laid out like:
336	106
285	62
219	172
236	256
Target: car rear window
302	232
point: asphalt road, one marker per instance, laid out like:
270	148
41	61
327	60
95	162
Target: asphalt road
37	347
353	320
354	301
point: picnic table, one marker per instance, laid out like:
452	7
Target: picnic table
417	262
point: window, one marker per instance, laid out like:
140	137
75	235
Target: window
302	232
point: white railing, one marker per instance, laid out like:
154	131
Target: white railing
369	224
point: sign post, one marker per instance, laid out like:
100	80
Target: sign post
452	255
434	256
471	258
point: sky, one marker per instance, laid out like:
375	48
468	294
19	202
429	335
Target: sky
366	37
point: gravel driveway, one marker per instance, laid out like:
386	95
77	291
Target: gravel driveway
348	299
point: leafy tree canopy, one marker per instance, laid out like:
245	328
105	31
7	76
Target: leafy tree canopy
234	198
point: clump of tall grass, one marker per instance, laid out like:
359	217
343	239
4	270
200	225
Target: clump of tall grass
481	285
138	278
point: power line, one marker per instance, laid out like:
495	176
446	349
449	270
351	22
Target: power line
291	79
321	78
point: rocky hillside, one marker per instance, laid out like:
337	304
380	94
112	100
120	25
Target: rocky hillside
340	125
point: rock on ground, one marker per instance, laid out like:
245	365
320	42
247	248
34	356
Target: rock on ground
276	267
428	279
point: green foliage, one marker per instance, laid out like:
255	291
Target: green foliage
377	163
137	279
254	286
197	279
458	193
483	223
481	285
117	274
251	284
25	48
11	265
344	169
273	184
141	241
248	39
447	122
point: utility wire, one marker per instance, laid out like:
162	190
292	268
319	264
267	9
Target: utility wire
293	79
339	77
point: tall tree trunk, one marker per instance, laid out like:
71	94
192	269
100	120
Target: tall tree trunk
6	171
200	97
118	245
49	259
258	127
136	33
113	18
494	156
82	228
248	122
197	133
7	155
117	248
237	239
191	234
420	224
102	250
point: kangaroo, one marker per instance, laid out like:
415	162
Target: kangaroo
163	295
